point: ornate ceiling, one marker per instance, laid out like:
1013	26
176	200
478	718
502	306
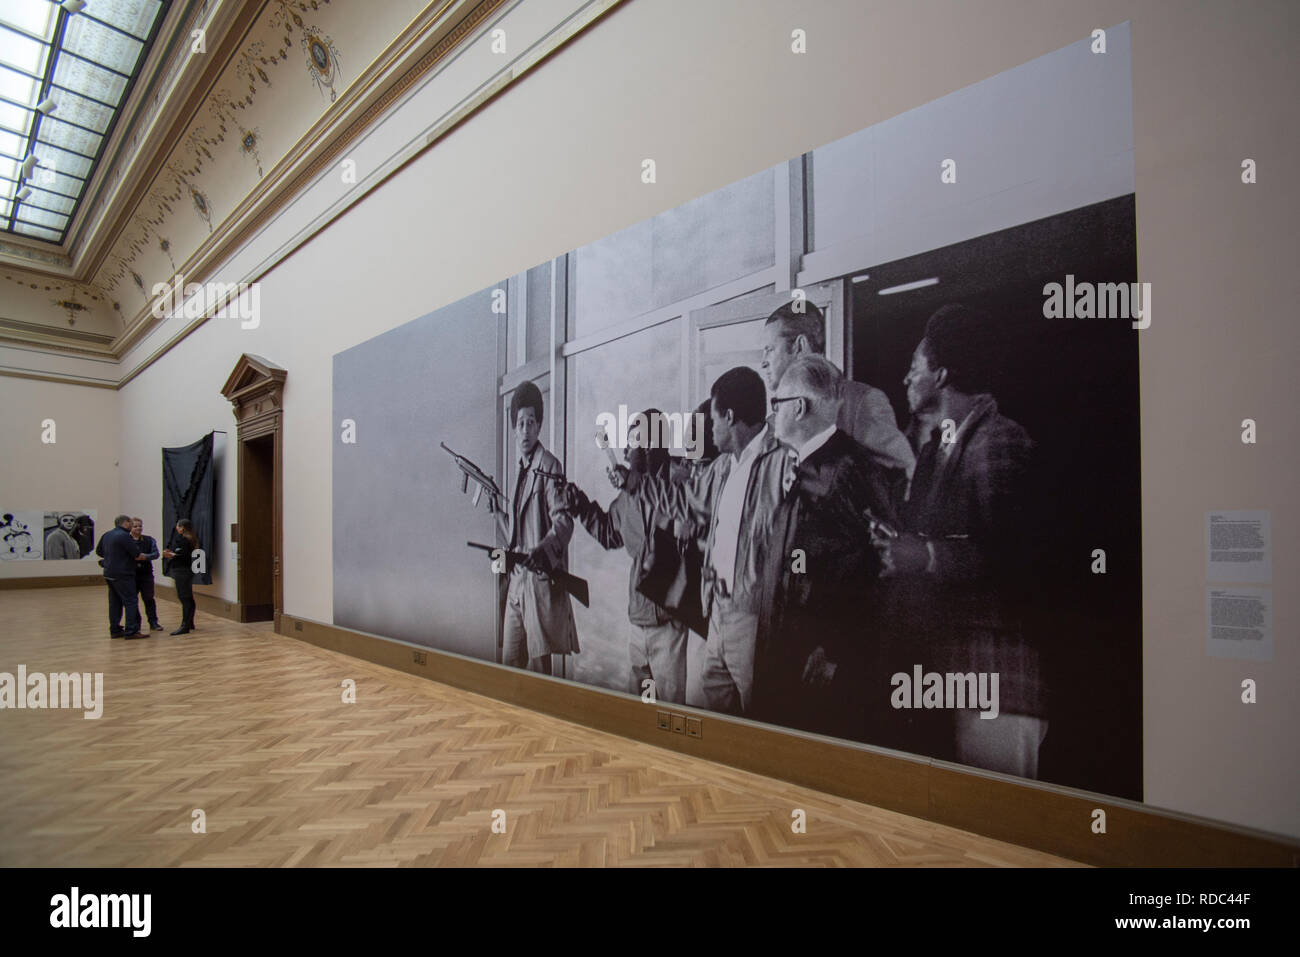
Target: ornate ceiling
230	97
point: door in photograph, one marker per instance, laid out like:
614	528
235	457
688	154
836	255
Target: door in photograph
730	334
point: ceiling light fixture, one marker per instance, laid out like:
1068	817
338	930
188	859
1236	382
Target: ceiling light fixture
23	193
29	164
909	286
47	105
73	6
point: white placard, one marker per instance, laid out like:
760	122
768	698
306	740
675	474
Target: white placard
1239	623
1239	546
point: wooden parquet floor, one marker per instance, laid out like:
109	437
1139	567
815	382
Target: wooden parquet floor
250	727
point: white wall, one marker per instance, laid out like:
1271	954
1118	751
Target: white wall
80	470
713	94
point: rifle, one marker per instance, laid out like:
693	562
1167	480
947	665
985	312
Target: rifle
497	501
572	584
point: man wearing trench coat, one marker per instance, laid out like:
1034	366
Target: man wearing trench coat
538	616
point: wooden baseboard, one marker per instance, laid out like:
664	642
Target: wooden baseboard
212	604
1045	817
52	581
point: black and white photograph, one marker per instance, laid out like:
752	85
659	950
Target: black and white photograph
951	439
68	535
648	434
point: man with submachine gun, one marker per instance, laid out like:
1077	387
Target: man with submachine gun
536	526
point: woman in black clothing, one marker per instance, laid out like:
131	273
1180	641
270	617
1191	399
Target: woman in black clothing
181	554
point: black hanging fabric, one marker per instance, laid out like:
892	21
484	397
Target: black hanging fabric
188	492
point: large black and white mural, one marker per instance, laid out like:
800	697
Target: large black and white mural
849	446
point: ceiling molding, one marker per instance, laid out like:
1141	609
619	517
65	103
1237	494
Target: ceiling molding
181	116
425	43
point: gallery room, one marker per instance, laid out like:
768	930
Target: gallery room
630	433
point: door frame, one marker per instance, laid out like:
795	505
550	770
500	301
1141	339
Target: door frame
255	388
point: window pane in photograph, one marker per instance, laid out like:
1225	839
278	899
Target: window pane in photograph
697	246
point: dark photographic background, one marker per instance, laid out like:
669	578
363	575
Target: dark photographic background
1073	385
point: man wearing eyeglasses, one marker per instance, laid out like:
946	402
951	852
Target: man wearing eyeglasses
865	413
814	634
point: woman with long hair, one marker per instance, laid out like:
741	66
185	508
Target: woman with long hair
180	555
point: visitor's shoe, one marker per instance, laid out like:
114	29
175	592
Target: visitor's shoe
181	631
138	634
154	626
116	634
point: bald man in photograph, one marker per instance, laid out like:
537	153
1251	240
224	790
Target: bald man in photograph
865	413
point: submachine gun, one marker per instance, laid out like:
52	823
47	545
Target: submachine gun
575	586
497	501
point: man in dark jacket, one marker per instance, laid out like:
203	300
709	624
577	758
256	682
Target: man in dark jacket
817	624
144	571
959	566
656	640
119	553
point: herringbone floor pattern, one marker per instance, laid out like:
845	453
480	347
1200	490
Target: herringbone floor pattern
250	727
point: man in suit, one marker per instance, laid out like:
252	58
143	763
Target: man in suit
819	574
865	413
144	572
119	552
656	638
734	499
961	560
538	616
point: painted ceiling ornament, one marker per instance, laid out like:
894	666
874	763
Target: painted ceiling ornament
249	69
70	306
201	206
198	198
322	60
166	246
249	140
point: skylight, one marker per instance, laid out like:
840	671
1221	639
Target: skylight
66	70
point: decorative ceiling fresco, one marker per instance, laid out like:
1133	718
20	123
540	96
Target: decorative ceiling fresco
291	67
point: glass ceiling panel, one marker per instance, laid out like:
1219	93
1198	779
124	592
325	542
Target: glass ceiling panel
29	16
13	85
54	160
48	200
67	136
83	112
94	41
89	80
134	16
23	53
42	218
15	117
85	65
40	232
61	183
